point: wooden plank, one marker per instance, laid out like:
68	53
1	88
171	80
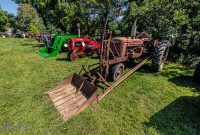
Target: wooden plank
58	103
59	89
68	113
64	92
71	102
63	95
56	90
60	85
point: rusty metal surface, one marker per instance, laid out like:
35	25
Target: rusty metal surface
130	41
117	50
135	52
133	48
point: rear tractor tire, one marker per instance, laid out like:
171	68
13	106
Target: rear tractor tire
196	76
73	56
117	71
160	54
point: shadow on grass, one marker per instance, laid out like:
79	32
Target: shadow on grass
185	81
32	43
37	45
94	56
181	76
182	116
176	72
62	59
146	68
66	58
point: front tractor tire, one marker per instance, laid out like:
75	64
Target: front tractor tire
117	71
73	56
159	57
196	76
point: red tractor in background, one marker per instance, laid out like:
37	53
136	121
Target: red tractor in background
38	37
82	47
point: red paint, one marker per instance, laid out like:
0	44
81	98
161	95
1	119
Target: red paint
83	45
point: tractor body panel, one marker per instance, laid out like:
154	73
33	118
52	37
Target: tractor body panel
133	48
83	45
52	50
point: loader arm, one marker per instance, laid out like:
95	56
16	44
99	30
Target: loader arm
56	41
59	41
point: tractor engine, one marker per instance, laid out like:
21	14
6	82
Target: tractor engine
127	47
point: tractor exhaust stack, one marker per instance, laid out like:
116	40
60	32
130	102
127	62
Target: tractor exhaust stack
134	29
79	30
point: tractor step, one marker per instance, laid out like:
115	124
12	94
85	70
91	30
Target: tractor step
72	96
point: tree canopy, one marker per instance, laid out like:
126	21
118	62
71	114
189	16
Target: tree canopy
3	20
29	19
158	17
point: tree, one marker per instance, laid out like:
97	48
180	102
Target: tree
3	21
65	14
29	19
164	17
12	21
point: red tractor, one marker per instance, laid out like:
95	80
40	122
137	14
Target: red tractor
82	47
38	37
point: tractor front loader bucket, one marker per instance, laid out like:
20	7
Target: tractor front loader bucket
48	52
73	96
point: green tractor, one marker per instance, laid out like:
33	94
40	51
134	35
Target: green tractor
53	47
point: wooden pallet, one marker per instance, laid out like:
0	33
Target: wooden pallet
67	100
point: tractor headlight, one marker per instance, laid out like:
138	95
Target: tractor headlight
65	45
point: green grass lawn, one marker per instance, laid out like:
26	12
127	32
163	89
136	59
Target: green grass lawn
163	103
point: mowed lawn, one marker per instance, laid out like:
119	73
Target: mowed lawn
164	103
